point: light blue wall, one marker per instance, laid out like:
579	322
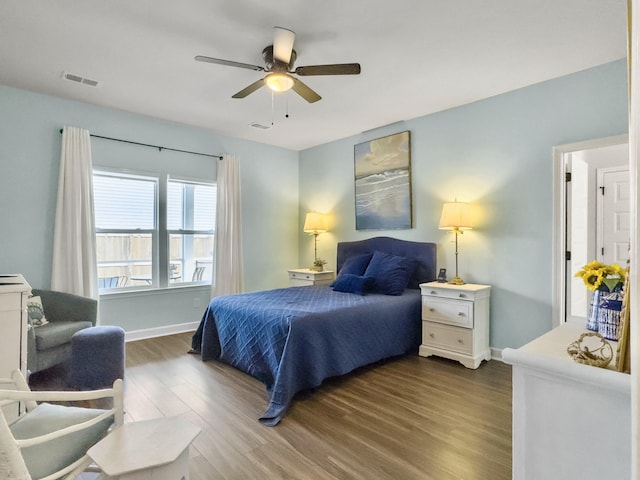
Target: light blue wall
497	154
29	160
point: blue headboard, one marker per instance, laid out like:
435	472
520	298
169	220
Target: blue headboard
423	252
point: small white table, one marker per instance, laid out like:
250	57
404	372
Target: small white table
155	449
148	279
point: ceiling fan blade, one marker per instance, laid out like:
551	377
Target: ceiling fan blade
228	63
250	89
304	91
283	44
336	69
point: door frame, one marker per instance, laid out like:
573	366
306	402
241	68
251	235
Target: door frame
558	229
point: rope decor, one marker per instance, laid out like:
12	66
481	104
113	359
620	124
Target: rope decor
599	355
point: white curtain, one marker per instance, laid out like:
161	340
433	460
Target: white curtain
74	242
228	277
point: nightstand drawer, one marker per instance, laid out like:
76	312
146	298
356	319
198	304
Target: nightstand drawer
449	338
448	292
311	276
304	277
451	312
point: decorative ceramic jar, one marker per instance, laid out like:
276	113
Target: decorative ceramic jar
609	313
592	315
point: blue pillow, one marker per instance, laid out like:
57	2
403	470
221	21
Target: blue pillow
390	272
354	265
350	283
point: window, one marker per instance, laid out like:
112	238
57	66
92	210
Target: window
137	240
190	226
126	228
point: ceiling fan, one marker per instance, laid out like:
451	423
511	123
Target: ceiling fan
279	59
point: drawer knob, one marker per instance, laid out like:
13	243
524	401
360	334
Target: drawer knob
462	295
432	335
461	314
308	277
461	341
431	309
433	292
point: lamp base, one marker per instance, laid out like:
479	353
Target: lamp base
456	281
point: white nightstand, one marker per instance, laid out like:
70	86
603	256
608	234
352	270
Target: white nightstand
303	276
455	322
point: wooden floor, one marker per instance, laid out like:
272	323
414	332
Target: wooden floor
407	418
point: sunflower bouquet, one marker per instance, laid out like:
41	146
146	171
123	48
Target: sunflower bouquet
597	275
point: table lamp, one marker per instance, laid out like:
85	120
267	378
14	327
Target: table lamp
315	223
456	216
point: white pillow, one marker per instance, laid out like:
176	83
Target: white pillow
36	312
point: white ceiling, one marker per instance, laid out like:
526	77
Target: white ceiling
417	56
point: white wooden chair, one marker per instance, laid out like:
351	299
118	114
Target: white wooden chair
43	441
197	274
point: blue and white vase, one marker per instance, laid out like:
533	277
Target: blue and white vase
609	313
592	315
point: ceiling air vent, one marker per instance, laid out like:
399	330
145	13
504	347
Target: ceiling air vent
260	126
78	79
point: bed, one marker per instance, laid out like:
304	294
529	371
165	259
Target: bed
292	339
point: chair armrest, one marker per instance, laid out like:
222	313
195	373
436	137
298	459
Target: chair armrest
16	389
61	306
61	395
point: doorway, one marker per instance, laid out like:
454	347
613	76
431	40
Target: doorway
591	217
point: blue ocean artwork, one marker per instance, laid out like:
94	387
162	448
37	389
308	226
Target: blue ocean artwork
383	183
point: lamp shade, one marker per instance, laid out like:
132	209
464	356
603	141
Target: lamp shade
455	216
315	223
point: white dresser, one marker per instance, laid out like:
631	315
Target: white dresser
303	276
455	322
14	292
569	420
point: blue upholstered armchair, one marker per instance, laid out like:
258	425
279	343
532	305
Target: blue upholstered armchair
50	344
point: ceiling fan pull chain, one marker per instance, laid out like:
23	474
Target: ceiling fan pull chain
272	108
286	114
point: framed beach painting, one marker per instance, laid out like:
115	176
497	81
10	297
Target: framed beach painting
382	170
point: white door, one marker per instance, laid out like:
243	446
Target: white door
613	215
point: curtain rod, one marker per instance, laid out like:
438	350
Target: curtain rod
219	157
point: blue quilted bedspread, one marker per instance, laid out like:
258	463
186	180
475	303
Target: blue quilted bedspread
291	339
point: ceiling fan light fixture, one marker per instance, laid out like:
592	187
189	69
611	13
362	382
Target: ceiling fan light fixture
279	82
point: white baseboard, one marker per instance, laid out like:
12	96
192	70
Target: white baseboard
160	331
496	354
